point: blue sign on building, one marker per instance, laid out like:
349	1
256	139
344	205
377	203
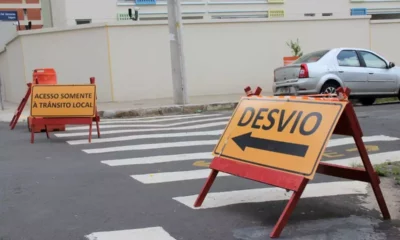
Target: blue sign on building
8	16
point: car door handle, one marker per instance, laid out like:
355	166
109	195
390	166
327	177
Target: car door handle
341	71
371	73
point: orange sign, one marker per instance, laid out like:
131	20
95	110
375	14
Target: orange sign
63	100
285	134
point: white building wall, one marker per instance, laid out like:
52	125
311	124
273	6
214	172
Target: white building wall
132	61
97	10
15	80
76	55
101	11
59	14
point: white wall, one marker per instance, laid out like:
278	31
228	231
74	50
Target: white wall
3	73
385	39
58	14
7	32
97	10
130	61
14	80
75	55
224	57
65	12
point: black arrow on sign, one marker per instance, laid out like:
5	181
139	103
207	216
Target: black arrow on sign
246	140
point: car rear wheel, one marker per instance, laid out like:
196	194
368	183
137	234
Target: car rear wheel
367	101
329	88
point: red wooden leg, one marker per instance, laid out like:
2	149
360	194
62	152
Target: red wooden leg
47	131
90	132
373	177
206	188
97	126
276	232
32	132
12	120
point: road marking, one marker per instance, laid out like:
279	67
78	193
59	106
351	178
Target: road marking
151	146
157	233
156	117
166	158
150	125
330	154
194	127
159	120
201	164
370	148
376	158
220	199
146	136
350	140
162	177
174	176
158	159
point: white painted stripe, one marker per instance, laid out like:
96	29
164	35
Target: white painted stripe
147	136
220	199
159	159
156	117
194	127
376	158
150	125
174	176
156	233
350	140
151	146
159	120
207	155
163	177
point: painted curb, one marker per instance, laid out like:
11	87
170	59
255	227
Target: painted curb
168	110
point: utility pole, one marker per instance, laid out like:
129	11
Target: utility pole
1	97
177	56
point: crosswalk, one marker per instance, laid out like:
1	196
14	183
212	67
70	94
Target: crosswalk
186	139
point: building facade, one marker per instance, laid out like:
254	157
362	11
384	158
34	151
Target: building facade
74	12
22	12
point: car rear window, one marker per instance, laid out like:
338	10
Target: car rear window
311	57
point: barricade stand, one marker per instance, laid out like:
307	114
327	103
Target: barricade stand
40	76
246	155
21	107
69	112
96	117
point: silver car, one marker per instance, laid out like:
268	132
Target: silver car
367	74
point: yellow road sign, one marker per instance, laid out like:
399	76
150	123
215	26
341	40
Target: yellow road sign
288	135
63	100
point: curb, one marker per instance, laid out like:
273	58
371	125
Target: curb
168	110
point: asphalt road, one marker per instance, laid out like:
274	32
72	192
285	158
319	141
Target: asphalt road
135	183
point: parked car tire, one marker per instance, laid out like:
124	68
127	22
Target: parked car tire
329	87
367	101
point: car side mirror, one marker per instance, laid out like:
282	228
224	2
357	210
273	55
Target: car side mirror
391	64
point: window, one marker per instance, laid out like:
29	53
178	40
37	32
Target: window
385	16
83	21
311	57
348	58
372	61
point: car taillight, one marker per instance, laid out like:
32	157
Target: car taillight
303	71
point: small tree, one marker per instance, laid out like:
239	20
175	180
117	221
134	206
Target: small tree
295	47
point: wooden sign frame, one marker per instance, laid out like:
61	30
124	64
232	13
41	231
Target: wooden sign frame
347	125
67	120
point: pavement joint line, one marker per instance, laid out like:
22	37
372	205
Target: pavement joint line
168	110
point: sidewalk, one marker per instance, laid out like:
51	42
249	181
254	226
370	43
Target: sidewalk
144	108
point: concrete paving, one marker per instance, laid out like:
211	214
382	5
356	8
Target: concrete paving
145	107
138	182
